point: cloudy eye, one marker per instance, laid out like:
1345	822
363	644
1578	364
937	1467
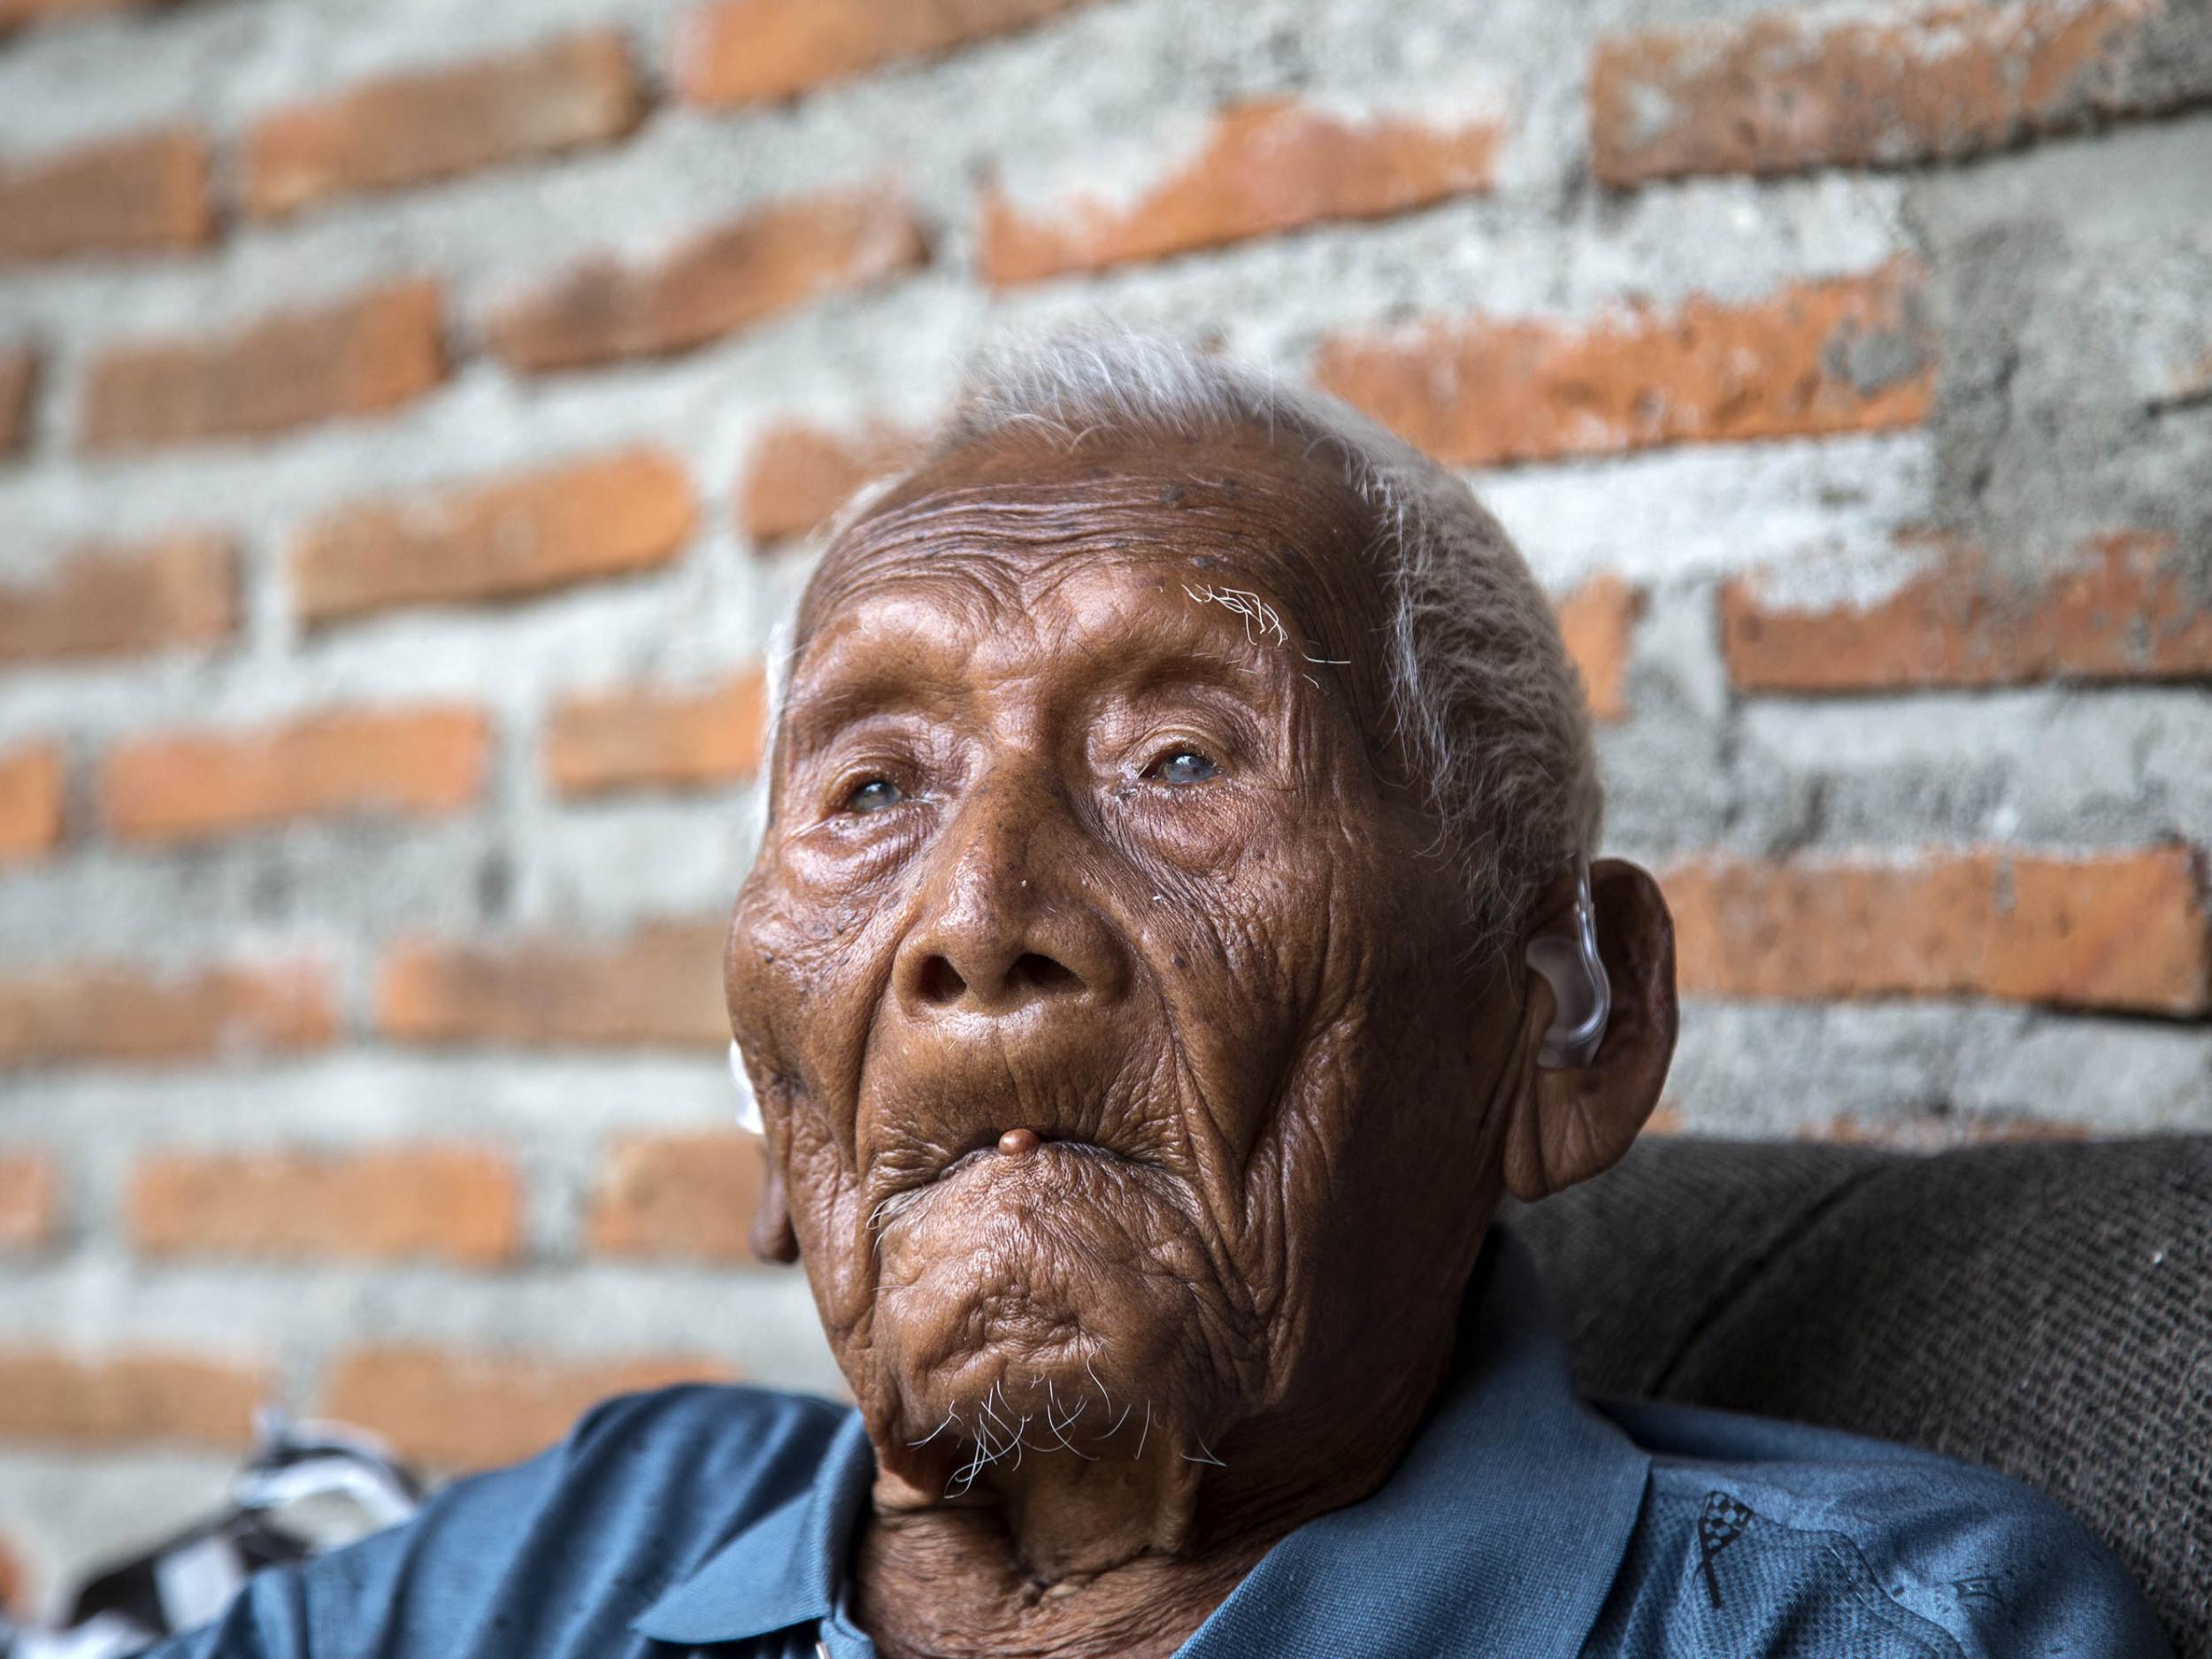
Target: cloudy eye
1183	765
873	794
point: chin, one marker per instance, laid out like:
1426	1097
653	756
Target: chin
1064	1304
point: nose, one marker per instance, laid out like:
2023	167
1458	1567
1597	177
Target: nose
990	982
1001	927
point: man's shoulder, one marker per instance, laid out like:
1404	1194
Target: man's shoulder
642	1488
1754	1534
689	1464
676	1427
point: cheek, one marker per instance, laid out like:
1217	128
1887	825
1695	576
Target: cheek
1256	960
800	975
1201	832
835	875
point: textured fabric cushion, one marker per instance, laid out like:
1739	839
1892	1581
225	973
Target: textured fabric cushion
2044	1308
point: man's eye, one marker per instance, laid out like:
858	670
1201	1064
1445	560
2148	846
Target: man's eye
873	795
1183	765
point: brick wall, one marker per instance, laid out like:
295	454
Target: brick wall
411	418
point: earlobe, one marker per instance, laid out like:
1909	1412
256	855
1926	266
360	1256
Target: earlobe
773	1238
1570	1122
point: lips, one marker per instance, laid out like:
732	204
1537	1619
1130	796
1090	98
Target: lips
926	1106
905	1173
1048	1148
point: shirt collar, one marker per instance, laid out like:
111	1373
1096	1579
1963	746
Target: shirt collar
1499	1534
783	1570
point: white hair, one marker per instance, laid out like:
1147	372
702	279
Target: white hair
1485	705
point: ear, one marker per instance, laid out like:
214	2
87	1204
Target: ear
773	1239
1569	1125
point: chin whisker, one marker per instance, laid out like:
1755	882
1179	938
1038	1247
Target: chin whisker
1146	1432
950	1418
1064	1444
889	1211
1208	1458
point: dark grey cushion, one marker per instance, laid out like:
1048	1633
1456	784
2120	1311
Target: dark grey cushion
2044	1308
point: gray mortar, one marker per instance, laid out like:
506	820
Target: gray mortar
2071	287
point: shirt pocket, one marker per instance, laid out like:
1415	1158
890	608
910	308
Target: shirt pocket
1756	1588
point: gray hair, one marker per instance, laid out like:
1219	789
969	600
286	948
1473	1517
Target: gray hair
1484	703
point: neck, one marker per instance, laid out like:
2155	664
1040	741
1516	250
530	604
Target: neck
1128	1549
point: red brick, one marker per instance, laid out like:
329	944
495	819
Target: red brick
2181	380
113	1012
584	518
1482	391
1265	167
770	260
1789	91
459	1204
19	13
661	986
1598	622
30	1201
800	474
419	762
48	1396
358	356
742	51
680	1196
406	128
473	1410
18	1594
2118	930
118	599
2124	608
18	380
146	192
646	738
33	786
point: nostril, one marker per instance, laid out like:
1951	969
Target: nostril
940	982
1042	973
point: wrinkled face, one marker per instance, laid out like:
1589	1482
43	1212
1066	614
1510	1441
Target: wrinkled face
1083	825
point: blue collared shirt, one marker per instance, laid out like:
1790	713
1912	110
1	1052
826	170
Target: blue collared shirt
1522	1524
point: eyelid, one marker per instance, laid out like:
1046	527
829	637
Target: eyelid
845	782
1162	749
1225	757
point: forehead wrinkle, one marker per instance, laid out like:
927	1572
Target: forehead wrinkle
986	521
1079	626
1044	515
895	651
1235	511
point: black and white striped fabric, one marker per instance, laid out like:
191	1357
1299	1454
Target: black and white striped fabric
307	1488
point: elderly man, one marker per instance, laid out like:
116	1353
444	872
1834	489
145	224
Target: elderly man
1173	934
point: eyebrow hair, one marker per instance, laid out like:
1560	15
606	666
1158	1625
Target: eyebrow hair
829	697
819	708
